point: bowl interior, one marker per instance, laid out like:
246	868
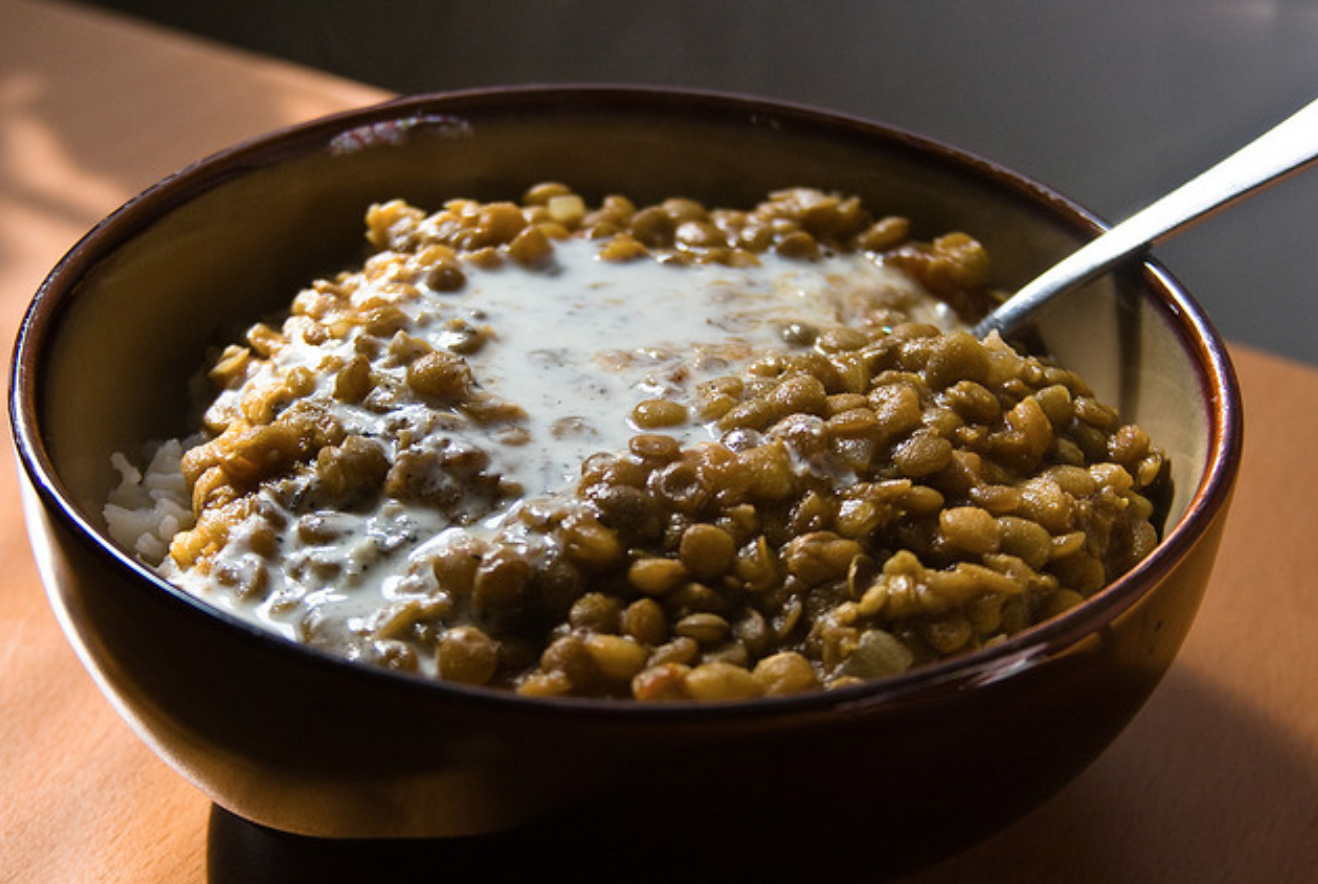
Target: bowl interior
124	323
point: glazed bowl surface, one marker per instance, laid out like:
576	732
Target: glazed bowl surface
303	742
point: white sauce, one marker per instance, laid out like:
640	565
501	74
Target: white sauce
577	346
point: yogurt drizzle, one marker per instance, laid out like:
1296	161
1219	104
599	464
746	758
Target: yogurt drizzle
577	345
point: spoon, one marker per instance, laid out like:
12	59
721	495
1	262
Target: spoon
1286	149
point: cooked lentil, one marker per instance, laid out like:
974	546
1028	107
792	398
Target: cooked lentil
825	489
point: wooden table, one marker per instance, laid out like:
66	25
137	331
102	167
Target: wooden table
1216	780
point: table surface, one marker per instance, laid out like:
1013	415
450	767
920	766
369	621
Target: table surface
1216	779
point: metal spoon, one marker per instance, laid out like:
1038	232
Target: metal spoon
1288	148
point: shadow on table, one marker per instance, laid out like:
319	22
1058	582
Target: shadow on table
1199	787
1198	780
584	849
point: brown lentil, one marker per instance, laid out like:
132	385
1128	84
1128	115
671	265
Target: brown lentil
882	493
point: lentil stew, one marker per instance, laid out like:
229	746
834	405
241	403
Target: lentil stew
828	481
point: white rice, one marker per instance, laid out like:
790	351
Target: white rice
149	507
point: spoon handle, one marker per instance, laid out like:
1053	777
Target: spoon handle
1287	148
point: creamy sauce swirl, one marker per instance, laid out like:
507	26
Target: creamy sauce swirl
577	345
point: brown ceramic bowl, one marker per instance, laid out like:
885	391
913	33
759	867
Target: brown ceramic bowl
306	743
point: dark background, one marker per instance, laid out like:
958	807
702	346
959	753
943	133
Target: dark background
1112	102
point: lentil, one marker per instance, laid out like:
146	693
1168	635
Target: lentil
872	492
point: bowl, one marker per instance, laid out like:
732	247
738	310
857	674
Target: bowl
302	742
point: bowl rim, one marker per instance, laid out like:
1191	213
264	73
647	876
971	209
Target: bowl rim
1019	652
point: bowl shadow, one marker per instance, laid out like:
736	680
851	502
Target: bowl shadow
1198	781
634	845
1199	787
